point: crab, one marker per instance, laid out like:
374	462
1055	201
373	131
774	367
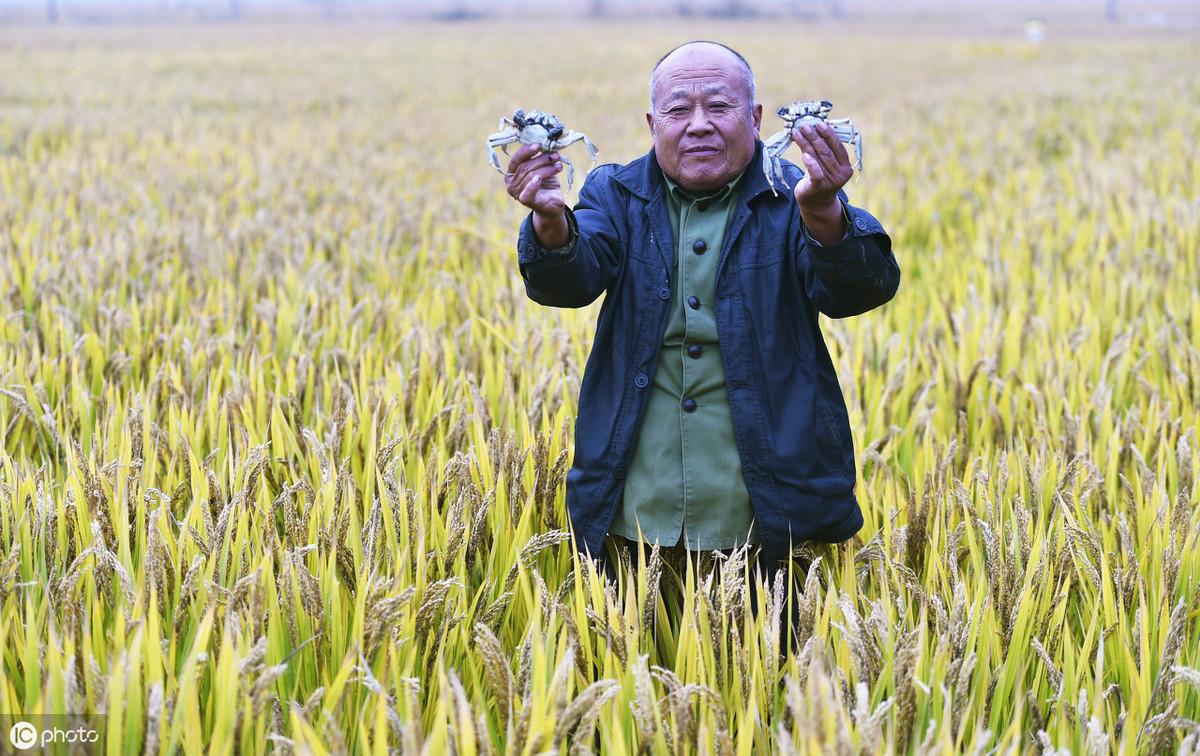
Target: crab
536	127
797	114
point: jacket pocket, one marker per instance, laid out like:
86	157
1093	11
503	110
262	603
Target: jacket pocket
763	253
772	301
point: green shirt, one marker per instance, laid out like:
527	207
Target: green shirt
686	476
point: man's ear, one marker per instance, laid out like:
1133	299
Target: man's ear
650	123
757	119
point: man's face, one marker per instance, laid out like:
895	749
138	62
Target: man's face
703	123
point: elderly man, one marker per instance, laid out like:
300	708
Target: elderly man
710	413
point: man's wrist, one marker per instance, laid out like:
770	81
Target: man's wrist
553	231
827	225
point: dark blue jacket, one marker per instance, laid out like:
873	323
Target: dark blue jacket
789	416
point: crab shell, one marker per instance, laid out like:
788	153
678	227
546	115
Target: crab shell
818	110
536	133
544	125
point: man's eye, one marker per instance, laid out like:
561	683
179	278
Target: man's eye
718	106
677	110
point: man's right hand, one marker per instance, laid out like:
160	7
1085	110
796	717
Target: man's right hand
532	180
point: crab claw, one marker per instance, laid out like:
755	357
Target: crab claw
500	139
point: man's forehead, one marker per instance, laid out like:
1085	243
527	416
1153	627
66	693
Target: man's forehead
698	61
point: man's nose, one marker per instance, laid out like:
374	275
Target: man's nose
699	122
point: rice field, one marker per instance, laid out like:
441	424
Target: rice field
285	442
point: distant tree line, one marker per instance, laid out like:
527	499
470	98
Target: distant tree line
593	8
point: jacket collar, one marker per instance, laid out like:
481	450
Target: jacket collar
644	178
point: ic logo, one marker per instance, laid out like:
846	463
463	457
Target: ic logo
23	736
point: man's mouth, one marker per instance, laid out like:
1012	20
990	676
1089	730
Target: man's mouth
701	150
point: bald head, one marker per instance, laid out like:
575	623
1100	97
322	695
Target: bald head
703	53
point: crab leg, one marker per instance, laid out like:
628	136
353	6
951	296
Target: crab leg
772	149
778	143
591	148
570	138
570	171
576	136
847	133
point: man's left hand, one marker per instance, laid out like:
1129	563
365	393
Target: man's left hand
826	169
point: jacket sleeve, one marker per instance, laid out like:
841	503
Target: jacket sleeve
857	274
575	275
